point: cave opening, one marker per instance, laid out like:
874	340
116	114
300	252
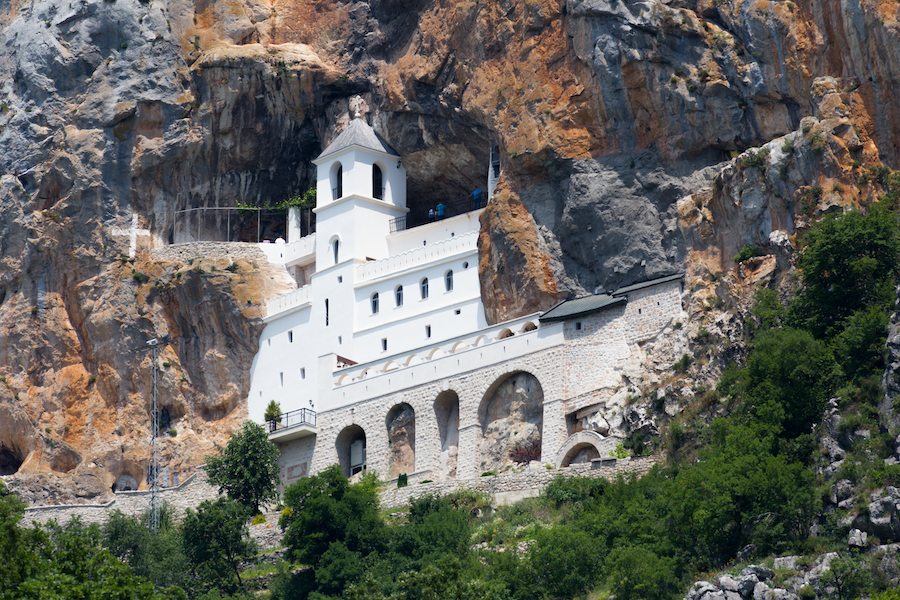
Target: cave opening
11	459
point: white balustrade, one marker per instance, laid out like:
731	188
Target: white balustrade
419	256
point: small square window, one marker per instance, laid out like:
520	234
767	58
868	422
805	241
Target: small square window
384	344
458	311
302	373
428	331
577	325
290	337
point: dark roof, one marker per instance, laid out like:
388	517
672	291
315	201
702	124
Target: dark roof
358	133
639	286
568	309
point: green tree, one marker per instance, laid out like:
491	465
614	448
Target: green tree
247	468
786	382
848	262
325	509
215	539
637	573
158	557
273	411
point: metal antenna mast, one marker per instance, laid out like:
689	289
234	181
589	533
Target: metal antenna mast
153	468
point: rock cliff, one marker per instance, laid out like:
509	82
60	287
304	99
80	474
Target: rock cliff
638	138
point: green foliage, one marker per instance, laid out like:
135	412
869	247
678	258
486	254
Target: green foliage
273	411
326	509
786	382
307	198
768	311
402	480
682	364
847	576
848	263
55	561
564	490
247	468
159	557
860	346
758	159
637	573
215	539
746	252
258	519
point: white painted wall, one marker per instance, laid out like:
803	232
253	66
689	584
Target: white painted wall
356	166
419	237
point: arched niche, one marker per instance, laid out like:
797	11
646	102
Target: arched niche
401	430
511	415
505	334
446	412
351	450
529	326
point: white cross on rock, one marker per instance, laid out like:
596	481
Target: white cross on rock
133	233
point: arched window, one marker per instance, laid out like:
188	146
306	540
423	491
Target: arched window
336	245
375	303
398	295
423	286
337	182
448	281
377	183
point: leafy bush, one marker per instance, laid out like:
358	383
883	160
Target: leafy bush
682	364
747	252
402	480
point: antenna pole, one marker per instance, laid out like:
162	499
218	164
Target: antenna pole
154	445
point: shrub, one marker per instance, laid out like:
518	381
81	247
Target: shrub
258	520
788	146
124	45
746	253
402	480
525	452
682	364
488	473
167	364
173	432
837	188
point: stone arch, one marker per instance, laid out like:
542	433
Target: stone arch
364	374
529	326
583	447
390	366
433	352
511	415
481	340
410	359
343	379
401	432
446	411
505	334
351	456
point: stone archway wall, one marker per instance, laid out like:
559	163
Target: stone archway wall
471	388
342	443
512	423
401	427
584	446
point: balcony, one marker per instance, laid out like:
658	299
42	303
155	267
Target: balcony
422	215
292	425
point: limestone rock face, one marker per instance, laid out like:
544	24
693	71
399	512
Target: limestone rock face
615	122
512	422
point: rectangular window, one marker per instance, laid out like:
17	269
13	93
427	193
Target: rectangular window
384	344
302	373
269	341
339	339
577	325
340	279
290	337
428	331
458	311
281	377
326	312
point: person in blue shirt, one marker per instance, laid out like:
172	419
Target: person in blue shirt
440	210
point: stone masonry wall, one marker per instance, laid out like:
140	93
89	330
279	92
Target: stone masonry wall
472	388
197	250
194	490
533	479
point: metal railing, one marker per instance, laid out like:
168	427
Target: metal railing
304	416
423	215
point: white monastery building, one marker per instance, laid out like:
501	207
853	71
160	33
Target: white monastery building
382	357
